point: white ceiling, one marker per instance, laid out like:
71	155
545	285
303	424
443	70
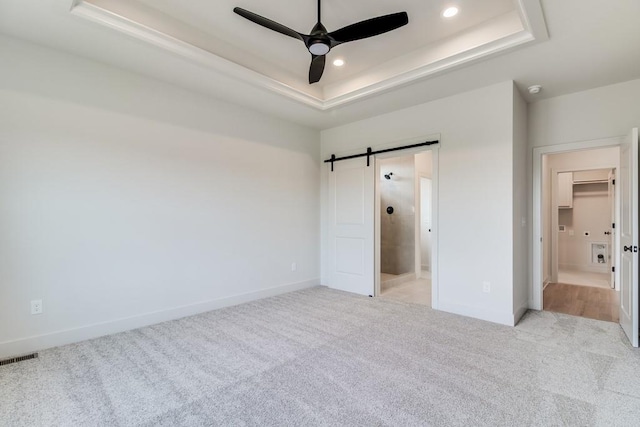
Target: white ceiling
203	46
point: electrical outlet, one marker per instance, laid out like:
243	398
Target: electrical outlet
486	287
36	306
294	266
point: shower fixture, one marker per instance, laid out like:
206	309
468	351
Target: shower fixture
388	176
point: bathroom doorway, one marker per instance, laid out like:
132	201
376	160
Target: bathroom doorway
405	226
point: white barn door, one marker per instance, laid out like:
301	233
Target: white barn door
351	226
629	236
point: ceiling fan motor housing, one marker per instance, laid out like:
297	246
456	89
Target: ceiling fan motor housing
319	46
320	42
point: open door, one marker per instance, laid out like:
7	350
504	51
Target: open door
628	246
425	223
611	199
351	226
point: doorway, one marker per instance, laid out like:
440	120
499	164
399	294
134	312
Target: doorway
353	217
580	260
584	215
404	222
625	227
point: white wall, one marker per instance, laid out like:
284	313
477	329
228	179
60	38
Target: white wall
520	207
591	214
605	112
598	113
475	191
125	201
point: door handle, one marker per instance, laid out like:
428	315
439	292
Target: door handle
630	248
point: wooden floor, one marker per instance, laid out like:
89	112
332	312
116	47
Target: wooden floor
585	301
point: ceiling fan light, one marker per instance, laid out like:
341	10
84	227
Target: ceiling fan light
319	48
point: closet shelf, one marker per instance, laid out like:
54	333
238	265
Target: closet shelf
594	181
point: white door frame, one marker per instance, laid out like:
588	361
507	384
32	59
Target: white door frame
434	214
536	289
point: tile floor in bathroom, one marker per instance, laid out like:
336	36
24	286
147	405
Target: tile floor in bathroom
417	291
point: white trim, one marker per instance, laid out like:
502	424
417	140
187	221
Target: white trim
142	32
68	336
555	219
377	234
532	18
417	214
529	11
428	70
535	293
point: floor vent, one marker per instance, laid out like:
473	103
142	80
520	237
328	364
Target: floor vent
18	359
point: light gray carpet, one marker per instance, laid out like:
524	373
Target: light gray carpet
323	357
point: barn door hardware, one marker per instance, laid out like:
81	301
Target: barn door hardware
370	152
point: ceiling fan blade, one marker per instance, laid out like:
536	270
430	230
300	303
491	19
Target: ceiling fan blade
268	23
369	28
317	68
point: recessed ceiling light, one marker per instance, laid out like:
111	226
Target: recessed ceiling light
450	12
338	62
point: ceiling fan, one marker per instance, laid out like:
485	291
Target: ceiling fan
320	42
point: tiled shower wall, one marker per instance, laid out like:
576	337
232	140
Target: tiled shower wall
397	230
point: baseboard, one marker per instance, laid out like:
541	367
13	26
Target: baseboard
58	338
506	318
595	268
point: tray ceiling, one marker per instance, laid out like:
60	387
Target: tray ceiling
210	34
